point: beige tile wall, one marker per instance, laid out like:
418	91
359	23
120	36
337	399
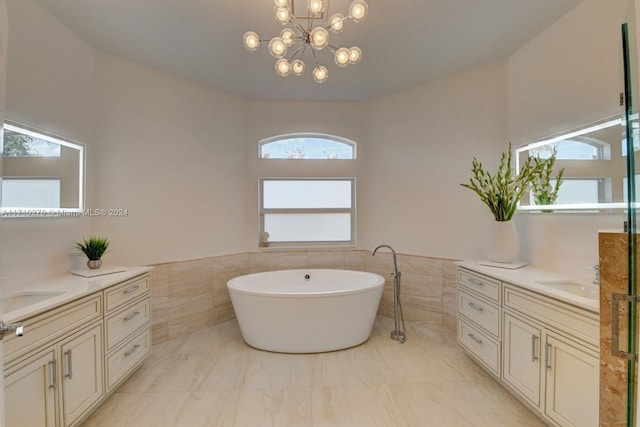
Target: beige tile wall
189	295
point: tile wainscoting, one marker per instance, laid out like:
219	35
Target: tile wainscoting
190	295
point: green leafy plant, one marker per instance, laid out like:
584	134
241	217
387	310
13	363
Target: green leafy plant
93	247
502	191
541	189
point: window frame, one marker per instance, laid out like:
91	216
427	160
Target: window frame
262	211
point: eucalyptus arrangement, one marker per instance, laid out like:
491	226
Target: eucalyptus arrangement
541	189
502	191
93	247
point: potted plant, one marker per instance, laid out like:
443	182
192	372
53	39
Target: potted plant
501	192
541	189
93	247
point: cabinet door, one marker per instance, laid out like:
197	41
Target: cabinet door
82	373
30	395
521	367
572	382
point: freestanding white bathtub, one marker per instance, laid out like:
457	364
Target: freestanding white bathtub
306	311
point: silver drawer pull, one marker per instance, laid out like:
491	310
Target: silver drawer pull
534	348
132	350
131	289
547	356
69	373
52	372
131	316
475	306
476	281
477	340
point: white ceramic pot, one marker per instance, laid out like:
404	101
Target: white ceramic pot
504	245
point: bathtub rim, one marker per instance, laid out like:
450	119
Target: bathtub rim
379	283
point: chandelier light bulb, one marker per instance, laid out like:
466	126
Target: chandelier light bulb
342	57
297	66
280	3
320	74
316	7
336	22
288	36
251	40
319	38
277	47
358	10
283	67
355	55
283	15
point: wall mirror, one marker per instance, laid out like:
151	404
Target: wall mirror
42	174
594	161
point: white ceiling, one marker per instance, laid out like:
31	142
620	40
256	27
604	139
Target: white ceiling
405	42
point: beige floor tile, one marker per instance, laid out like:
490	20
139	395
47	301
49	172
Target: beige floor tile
273	407
461	403
212	378
355	406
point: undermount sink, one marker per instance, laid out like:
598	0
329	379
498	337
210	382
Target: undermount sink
585	291
24	299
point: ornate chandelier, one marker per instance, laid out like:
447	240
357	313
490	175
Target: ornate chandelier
299	38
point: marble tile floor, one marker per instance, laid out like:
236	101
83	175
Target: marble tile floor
212	378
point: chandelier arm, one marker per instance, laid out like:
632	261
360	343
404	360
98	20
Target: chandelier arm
293	21
315	58
301	48
332	48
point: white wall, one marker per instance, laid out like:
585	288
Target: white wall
173	154
49	86
420	147
4	39
567	76
181	157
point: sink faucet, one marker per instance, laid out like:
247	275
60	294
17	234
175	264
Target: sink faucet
596	270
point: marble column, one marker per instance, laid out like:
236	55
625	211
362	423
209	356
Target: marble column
613	260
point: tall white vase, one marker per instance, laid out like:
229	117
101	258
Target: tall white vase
504	245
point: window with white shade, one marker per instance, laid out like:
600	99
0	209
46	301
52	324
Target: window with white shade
299	211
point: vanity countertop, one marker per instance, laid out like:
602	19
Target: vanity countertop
528	277
71	287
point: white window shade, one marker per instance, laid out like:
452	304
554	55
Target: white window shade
307	194
31	193
311	211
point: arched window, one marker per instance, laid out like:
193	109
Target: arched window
307	210
307	146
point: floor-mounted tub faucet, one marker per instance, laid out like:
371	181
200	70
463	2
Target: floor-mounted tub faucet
398	333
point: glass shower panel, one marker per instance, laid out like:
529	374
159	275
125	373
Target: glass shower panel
629	100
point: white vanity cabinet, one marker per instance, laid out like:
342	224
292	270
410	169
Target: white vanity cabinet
66	373
479	317
548	349
63	366
128	336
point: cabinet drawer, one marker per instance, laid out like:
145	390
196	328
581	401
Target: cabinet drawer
479	312
555	314
480	284
123	323
53	324
479	345
123	360
120	295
